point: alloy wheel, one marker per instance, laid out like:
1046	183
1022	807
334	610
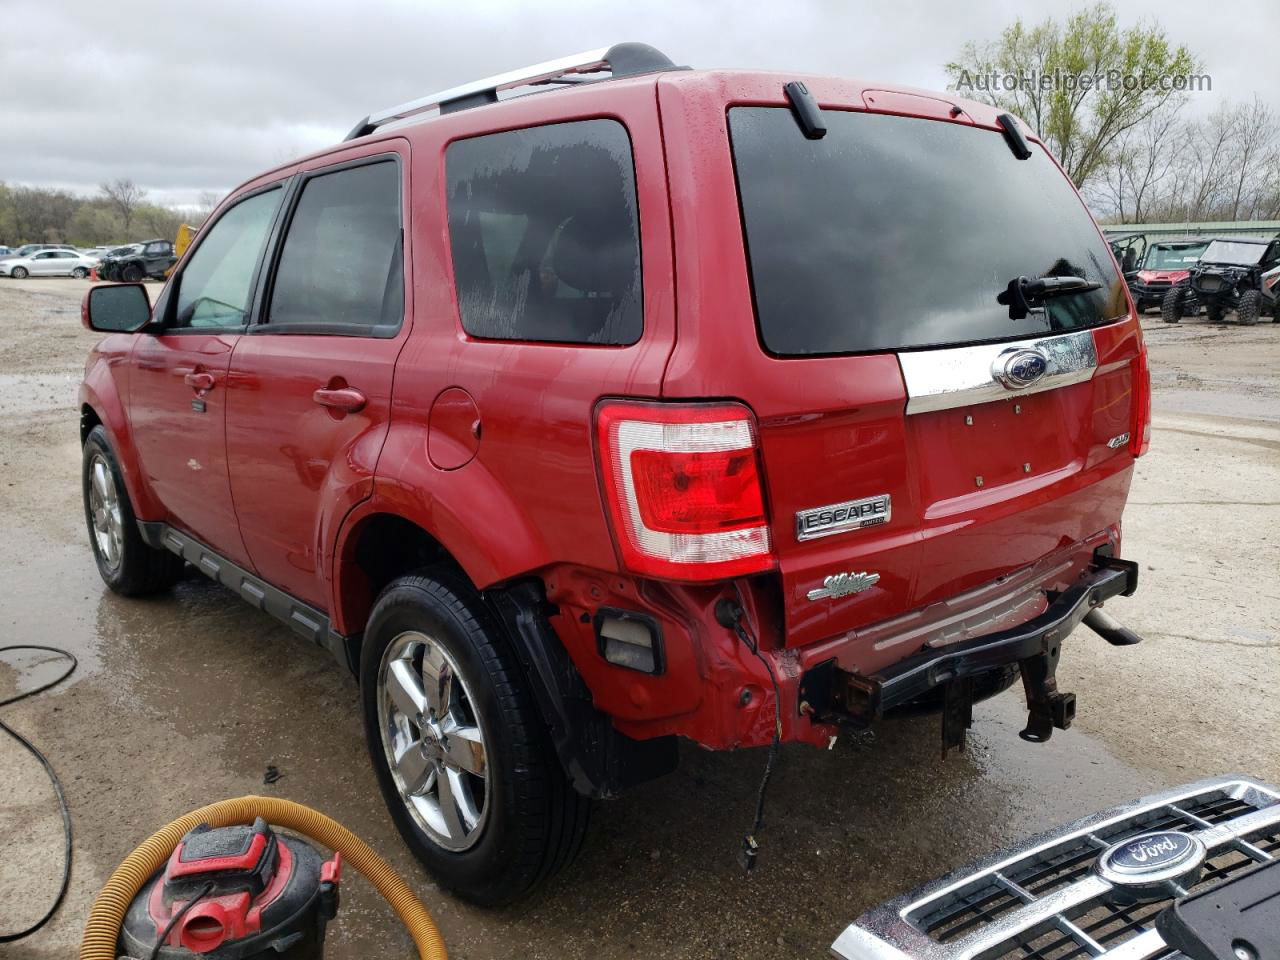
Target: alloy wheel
104	509
433	740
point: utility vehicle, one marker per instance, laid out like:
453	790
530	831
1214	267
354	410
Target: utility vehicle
617	412
1166	263
1227	277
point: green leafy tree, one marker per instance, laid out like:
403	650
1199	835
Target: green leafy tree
1080	84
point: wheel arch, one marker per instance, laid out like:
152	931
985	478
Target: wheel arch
373	548
465	517
376	547
100	405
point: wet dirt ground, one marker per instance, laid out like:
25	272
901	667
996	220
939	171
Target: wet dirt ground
188	698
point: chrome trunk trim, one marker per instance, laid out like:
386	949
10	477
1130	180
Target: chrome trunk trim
962	376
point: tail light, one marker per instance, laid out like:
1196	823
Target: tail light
1141	439
682	485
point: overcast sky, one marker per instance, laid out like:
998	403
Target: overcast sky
191	97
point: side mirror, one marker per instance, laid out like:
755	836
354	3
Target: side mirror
118	308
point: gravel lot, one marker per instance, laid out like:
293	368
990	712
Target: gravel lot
186	699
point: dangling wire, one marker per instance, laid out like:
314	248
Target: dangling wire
732	614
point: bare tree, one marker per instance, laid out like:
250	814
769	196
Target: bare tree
1254	141
1209	160
125	197
206	203
1145	158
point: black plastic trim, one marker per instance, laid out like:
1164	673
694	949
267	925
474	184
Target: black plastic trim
599	761
806	110
303	619
1013	136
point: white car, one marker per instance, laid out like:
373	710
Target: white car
48	263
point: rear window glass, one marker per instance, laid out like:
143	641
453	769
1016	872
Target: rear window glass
545	234
896	232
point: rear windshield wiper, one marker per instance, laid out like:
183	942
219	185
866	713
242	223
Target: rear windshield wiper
1022	294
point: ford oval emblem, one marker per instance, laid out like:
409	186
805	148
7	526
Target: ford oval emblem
1153	865
1019	368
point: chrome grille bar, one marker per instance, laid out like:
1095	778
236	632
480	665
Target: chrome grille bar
1045	893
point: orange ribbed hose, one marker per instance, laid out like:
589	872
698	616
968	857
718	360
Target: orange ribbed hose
103	929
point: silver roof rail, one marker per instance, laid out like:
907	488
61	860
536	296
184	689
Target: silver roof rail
621	60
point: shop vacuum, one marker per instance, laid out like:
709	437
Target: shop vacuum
235	893
225	882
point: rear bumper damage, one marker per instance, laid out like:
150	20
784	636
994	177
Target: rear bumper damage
830	694
703	683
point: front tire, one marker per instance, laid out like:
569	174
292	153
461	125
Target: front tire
1171	308
462	756
127	564
131	274
1250	307
19	273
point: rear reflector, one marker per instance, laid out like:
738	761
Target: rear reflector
629	640
682	482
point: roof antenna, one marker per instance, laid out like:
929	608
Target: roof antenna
806	110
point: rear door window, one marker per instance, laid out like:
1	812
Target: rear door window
545	234
895	233
341	269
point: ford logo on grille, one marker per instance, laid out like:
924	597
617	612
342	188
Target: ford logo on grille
1153	865
1020	368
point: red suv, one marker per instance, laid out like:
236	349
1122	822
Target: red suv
654	404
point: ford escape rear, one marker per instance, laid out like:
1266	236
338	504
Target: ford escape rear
712	405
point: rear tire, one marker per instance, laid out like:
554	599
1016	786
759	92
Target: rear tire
1213	312
20	273
1250	307
80	273
434	660
1171	307
127	564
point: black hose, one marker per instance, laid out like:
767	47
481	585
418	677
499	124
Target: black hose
53	778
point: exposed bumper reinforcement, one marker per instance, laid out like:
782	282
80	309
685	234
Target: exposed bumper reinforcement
834	694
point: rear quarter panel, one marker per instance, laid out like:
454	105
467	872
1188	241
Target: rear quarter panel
530	495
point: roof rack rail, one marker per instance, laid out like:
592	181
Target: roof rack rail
621	60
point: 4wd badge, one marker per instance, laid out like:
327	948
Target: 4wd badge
842	517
